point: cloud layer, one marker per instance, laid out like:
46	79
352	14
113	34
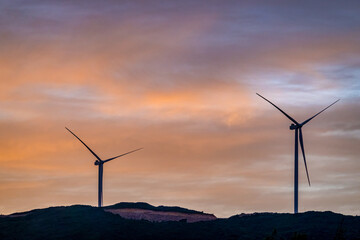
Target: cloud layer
179	79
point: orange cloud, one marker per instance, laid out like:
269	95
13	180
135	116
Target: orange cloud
179	81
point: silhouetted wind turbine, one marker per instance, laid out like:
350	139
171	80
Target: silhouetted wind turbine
100	163
298	137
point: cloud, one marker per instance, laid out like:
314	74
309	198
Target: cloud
178	79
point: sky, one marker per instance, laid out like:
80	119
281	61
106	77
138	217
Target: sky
179	78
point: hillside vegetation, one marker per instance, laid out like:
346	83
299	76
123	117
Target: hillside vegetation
86	222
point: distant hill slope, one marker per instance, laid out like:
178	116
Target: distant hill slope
145	211
85	222
142	205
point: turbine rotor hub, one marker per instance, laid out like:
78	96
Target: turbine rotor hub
294	126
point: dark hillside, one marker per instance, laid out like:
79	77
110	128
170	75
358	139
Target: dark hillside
85	222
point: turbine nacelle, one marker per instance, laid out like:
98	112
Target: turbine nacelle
97	162
294	126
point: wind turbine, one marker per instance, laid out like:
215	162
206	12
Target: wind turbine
298	137
100	163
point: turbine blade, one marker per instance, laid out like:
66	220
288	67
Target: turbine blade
303	152
122	155
293	120
305	122
84	144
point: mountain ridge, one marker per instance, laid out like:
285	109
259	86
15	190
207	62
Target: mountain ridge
86	222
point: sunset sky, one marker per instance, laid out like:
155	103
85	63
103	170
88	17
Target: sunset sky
179	78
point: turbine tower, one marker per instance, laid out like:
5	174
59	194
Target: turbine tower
298	137
100	163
